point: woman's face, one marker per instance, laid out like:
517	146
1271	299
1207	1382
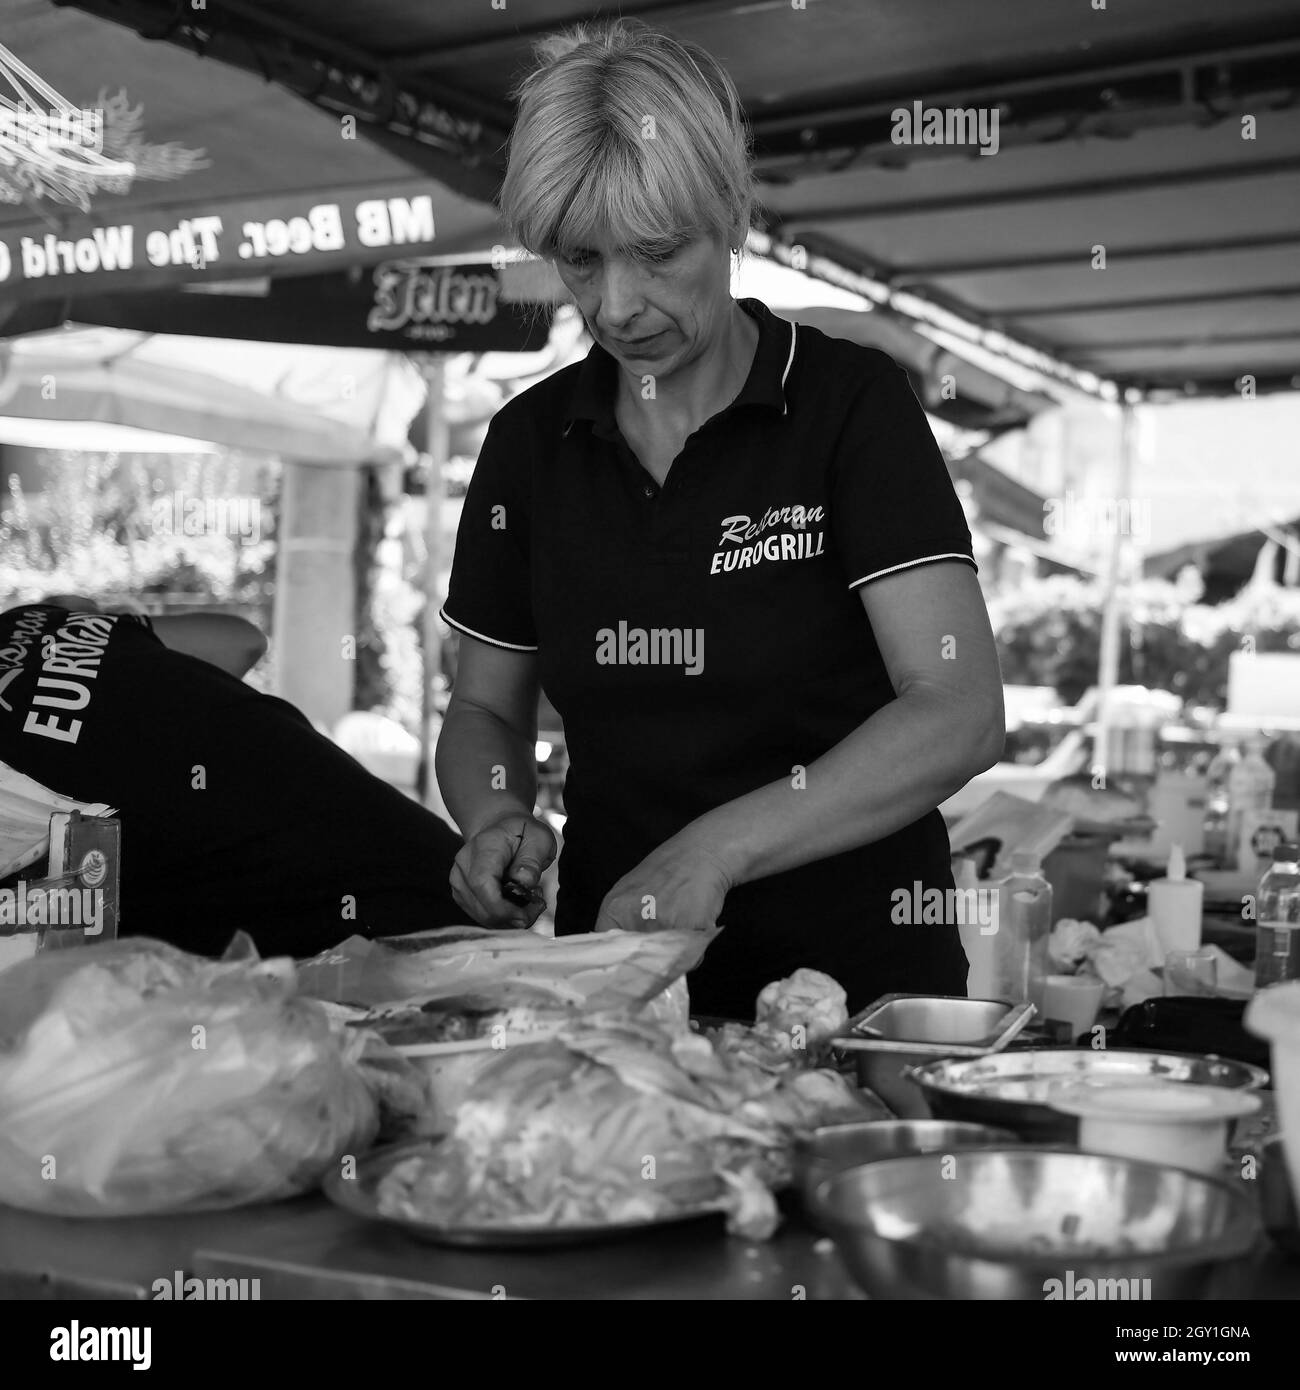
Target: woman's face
658	312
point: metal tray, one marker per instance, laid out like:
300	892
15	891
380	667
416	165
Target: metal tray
358	1196
934	1025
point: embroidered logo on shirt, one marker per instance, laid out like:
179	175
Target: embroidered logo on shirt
746	542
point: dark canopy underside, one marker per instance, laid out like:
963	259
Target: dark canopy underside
1120	133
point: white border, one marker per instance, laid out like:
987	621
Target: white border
789	362
469	632
908	564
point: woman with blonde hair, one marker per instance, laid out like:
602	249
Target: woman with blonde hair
729	550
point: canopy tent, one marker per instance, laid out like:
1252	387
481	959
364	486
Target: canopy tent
235	177
1109	208
979	399
64	390
1135	221
209	247
1266	555
324	411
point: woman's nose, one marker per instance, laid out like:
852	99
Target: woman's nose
621	299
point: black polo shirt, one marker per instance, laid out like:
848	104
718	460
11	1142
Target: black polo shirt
706	637
235	812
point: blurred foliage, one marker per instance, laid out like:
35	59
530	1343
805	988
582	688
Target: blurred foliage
105	526
1049	633
397	606
390	669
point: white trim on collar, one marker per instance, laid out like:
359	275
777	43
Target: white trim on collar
789	362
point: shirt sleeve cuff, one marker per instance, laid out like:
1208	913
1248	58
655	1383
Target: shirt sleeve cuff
911	564
483	636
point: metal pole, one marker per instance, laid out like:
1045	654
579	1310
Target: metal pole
435	447
1113	595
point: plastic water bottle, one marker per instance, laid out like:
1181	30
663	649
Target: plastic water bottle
1277	930
1024	925
1217	808
1250	788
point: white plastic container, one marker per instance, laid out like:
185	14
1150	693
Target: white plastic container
1177	804
1275	1014
1071	1004
1176	903
1168	1122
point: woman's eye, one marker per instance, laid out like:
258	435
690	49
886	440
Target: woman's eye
658	257
579	260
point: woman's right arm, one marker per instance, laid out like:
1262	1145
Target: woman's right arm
487	773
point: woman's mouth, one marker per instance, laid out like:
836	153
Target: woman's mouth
632	344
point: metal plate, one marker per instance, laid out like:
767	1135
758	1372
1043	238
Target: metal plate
358	1196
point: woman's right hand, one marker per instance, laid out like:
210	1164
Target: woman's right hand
516	846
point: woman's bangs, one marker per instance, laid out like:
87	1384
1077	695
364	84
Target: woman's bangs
633	202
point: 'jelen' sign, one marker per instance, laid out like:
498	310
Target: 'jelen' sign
400	305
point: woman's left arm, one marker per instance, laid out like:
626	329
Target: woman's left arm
945	725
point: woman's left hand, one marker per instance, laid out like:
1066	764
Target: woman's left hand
678	887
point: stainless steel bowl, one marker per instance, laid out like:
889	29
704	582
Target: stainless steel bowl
833	1148
1033	1223
1013	1089
1277	1202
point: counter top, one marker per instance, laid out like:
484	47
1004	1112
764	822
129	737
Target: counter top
307	1248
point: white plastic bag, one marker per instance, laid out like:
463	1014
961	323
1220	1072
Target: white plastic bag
136	1078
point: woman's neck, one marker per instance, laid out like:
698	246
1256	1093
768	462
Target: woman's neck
683	401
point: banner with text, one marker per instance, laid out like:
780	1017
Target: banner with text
400	305
262	236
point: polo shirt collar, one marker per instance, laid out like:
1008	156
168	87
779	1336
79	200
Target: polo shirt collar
593	394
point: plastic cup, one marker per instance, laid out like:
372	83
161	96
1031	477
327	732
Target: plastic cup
1191	972
1071	1004
1167	1122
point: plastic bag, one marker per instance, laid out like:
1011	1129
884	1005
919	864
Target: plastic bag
561	1133
475	968
136	1078
670	1010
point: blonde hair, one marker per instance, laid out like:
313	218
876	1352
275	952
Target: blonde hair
625	131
